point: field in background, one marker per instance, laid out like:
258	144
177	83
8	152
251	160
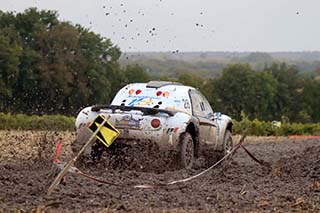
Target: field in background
32	144
26	145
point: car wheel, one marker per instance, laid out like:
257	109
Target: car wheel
186	151
227	143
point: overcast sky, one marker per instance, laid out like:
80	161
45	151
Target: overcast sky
192	25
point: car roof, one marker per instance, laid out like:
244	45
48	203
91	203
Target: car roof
178	95
158	84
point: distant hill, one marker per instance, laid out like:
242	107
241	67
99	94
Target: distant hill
210	64
297	56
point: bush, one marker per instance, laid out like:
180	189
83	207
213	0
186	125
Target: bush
62	123
35	122
264	128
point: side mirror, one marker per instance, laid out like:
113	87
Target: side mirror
210	116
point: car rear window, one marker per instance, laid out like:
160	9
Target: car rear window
163	98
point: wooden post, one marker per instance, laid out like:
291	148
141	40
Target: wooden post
67	167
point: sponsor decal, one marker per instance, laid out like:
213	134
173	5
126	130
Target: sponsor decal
144	102
186	103
135	101
128	121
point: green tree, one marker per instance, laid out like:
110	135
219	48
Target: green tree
311	100
243	90
135	74
32	21
26	25
60	67
56	68
101	67
288	95
193	80
10	52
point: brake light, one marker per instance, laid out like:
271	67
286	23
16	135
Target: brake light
155	123
131	92
159	93
138	91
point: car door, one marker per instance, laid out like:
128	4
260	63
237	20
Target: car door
203	111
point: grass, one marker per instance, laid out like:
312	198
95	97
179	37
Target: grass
65	123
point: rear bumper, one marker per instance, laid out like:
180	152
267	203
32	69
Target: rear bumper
135	123
160	137
144	142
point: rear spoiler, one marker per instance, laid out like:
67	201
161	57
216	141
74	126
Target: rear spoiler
146	111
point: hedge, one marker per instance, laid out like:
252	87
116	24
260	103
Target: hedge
62	123
264	128
36	122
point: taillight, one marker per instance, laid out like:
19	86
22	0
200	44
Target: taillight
138	91
131	92
166	94
155	123
159	93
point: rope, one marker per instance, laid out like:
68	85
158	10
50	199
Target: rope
158	185
255	159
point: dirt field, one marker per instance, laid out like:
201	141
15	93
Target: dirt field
291	185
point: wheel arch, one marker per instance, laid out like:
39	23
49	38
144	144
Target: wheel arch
229	126
225	123
194	132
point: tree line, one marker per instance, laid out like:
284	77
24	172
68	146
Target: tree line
278	92
49	66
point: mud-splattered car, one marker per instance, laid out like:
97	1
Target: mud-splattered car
175	116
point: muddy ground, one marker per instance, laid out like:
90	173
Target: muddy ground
292	184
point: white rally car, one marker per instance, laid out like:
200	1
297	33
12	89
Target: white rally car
173	115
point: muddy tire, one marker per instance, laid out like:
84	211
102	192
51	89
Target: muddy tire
186	151
83	135
227	145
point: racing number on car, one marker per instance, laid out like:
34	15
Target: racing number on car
186	103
